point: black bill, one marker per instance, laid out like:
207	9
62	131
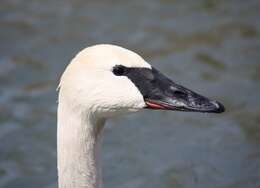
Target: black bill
159	92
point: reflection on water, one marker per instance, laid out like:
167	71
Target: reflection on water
208	45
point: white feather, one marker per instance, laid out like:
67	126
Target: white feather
89	93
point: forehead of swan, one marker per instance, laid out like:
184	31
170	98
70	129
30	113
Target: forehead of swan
106	56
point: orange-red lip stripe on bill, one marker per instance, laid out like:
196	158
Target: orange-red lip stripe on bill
154	105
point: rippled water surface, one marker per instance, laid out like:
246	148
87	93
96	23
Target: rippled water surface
210	46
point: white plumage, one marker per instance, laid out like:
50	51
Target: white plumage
90	93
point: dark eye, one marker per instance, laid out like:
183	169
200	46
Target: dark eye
119	70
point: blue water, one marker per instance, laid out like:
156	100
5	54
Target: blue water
210	46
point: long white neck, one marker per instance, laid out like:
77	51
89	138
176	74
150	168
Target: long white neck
79	138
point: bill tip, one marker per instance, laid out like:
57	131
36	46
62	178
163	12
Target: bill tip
219	107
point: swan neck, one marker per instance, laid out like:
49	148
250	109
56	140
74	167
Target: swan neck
79	144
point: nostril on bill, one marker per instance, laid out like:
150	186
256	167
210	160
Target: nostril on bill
180	94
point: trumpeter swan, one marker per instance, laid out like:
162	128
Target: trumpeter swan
103	81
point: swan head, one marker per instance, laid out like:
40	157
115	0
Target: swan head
107	80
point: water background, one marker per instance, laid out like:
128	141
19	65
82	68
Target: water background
210	46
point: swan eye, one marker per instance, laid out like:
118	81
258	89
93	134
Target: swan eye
119	70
